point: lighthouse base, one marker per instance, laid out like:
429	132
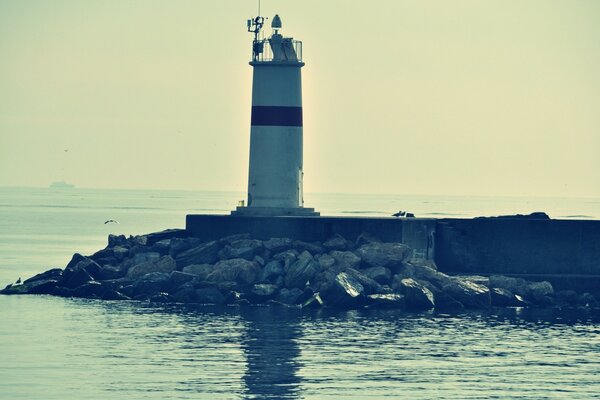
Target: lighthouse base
274	212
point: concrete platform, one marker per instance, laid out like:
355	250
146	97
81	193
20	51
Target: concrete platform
275	211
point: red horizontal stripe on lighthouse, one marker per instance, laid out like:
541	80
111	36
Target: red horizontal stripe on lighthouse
276	116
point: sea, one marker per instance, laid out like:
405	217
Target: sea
57	348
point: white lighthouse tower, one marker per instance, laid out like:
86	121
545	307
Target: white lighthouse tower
275	174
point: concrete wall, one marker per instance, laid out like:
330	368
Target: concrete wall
518	246
417	233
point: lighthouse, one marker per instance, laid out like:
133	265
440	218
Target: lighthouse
275	175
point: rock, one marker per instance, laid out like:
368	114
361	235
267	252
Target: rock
514	285
140	240
89	290
287	257
271	272
587	300
313	248
302	271
236	269
381	275
323	281
470	294
209	296
336	242
178	278
540	292
259	261
366	238
421	262
277	245
75	277
242	248
425	273
162	297
314	301
162	246
231	238
325	261
114	240
179	245
345	259
185	294
289	296
200	270
54	273
388	255
443	301
370	285
261	293
165	264
567	296
205	253
38	286
112	294
140	258
120	252
417	296
504	298
392	300
110	272
150	284
346	291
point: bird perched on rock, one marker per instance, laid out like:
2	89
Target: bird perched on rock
18	282
399	214
111	221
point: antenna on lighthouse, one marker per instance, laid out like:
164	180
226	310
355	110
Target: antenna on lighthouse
254	26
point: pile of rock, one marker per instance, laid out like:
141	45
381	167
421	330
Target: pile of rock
169	267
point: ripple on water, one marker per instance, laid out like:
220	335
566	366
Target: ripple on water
59	348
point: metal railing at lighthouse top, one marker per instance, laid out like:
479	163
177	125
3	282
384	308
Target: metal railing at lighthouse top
285	50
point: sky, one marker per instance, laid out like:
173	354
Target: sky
462	97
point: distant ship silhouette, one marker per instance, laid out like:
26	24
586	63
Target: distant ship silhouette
61	185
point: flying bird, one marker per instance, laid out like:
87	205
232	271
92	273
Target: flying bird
111	221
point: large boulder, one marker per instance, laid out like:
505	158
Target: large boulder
54	273
313	248
277	245
345	259
205	253
347	291
262	292
302	271
177	279
540	292
150	285
381	275
470	294
111	272
200	270
235	270
242	248
90	290
505	298
337	242
179	245
287	257
366	238
289	296
209	296
326	261
165	264
271	271
370	285
416	296
388	255
389	300
426	273
514	285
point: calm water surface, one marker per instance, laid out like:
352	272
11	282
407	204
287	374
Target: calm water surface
54	348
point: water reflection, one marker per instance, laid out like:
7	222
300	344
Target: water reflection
271	348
